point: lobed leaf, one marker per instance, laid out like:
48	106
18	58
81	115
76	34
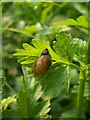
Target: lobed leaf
53	82
65	46
28	55
82	51
5	102
28	104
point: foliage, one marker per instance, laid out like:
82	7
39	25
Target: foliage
65	52
59	92
30	101
80	22
56	79
6	102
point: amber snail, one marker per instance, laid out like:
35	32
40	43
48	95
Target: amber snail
42	64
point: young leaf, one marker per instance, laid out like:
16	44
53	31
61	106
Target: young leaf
81	53
5	102
65	46
28	55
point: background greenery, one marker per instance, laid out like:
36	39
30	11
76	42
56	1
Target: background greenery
22	22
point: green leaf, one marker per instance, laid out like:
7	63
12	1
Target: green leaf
30	102
28	55
6	101
81	53
41	109
45	109
10	114
65	46
69	22
18	31
81	21
22	105
81	8
45	13
55	80
31	29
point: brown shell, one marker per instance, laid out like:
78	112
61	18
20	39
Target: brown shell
42	64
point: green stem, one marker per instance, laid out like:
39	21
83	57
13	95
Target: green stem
75	66
8	86
70	64
25	85
80	94
25	81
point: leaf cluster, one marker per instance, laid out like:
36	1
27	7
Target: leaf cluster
66	49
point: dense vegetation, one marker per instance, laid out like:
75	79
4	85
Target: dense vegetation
29	28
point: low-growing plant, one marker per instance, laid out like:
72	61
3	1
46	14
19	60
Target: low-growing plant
33	99
62	89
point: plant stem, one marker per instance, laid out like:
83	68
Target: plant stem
8	86
80	94
75	66
25	84
70	64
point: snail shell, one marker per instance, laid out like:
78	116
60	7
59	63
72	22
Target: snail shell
42	64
